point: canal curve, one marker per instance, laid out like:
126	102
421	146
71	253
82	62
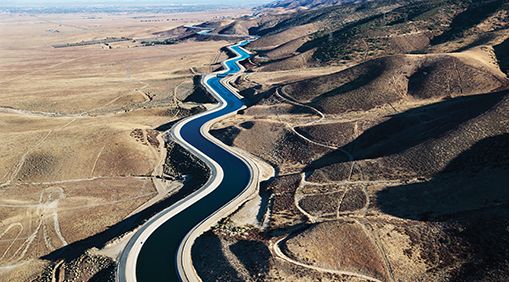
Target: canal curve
153	253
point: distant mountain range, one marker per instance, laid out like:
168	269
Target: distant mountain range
292	4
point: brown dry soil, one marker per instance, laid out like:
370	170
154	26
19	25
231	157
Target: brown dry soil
82	158
390	168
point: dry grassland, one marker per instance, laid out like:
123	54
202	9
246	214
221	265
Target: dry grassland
393	169
78	152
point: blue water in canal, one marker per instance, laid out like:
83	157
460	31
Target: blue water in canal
157	259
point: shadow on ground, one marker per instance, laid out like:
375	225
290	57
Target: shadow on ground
472	192
254	255
475	13
188	166
411	128
209	259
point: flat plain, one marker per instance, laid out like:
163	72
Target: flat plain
78	151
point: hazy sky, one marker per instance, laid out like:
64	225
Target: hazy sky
120	2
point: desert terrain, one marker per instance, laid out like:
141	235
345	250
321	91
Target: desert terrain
82	158
386	125
381	127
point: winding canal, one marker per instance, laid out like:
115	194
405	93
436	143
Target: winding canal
156	258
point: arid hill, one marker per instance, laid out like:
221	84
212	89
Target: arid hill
361	30
387	125
420	142
401	78
308	4
237	27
